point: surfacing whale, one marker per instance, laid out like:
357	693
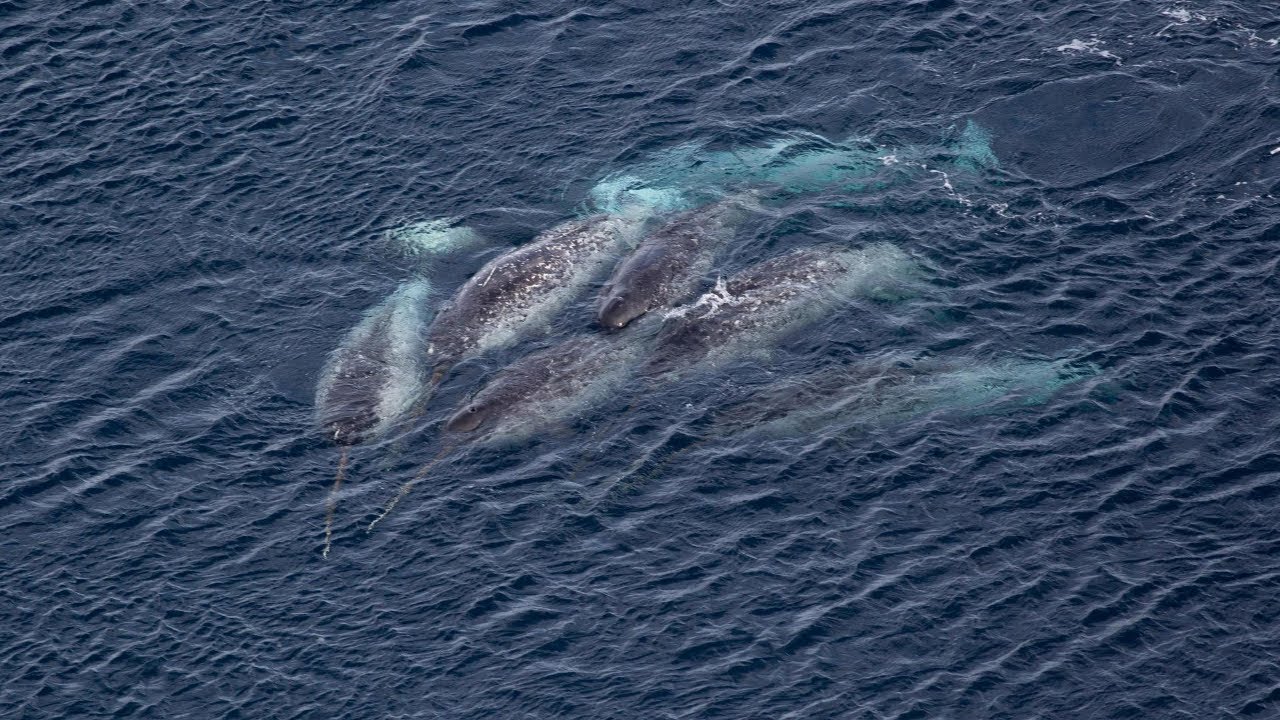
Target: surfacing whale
670	262
374	375
525	288
372	378
535	394
751	308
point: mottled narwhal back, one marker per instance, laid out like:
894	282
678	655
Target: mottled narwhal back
548	386
752	306
347	406
670	263
533	394
526	287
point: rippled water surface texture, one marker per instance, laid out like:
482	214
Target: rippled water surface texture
1024	465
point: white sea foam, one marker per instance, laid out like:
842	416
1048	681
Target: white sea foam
1254	37
1182	16
1092	46
706	305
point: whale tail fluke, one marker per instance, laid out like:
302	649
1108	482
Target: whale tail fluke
331	505
405	488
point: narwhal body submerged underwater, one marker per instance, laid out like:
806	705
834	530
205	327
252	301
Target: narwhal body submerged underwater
792	164
562	382
551	385
748	309
374	376
574	374
554	385
509	298
893	387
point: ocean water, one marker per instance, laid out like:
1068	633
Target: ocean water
1039	480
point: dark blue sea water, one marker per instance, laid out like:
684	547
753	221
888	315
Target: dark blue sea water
199	202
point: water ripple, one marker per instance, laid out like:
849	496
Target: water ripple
195	205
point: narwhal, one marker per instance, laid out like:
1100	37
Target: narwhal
894	387
562	381
547	386
525	288
751	307
374	376
535	394
669	264
793	164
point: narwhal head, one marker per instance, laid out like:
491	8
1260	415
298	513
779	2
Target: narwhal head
351	429
619	306
471	416
349	411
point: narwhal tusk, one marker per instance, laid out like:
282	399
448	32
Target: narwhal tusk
421	406
405	488
332	505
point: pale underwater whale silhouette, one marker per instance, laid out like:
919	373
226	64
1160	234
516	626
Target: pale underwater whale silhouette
372	379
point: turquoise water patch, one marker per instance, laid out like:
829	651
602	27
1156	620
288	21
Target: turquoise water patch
432	238
973	149
689	174
895	389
